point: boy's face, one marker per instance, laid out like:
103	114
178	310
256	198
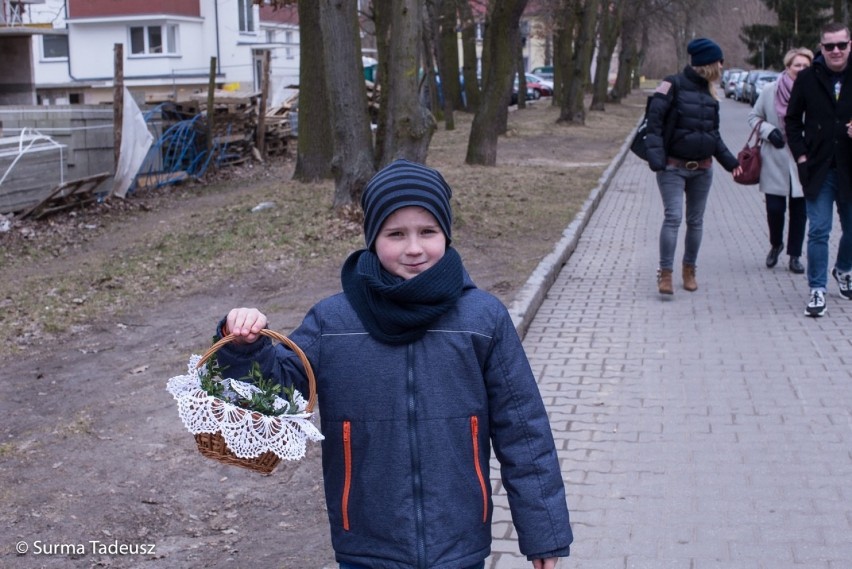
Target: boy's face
410	241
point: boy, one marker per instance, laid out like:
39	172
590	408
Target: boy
418	373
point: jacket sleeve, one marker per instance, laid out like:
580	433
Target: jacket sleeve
793	123
661	103
523	444
277	362
723	155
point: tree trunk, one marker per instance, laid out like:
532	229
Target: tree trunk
628	56
448	57
314	150
610	28
429	88
382	14
472	94
573	111
563	71
521	74
352	164
501	40
409	124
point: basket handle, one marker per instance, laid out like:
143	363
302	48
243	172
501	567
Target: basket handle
312	382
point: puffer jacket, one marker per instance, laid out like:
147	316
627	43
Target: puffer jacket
683	123
816	128
408	433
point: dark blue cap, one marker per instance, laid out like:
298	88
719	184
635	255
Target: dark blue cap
703	52
400	184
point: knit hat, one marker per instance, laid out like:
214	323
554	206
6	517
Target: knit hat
704	52
401	184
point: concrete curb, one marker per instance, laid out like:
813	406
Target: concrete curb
530	297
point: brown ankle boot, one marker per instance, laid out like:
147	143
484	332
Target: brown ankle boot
689	282
664	281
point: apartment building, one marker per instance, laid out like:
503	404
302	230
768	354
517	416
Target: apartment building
167	48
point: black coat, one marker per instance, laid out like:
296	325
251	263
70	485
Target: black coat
816	127
683	122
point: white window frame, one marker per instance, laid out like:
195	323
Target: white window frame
46	57
245	17
169	37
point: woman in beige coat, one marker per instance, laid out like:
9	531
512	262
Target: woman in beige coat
779	180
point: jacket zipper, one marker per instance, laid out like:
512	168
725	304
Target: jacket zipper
474	429
417	479
347	464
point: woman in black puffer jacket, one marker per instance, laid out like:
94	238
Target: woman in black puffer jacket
683	137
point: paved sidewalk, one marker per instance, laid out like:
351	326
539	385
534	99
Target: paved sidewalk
708	430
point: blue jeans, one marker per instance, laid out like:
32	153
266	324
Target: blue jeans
350	566
675	183
820	216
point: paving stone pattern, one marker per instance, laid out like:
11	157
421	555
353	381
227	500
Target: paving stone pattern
708	430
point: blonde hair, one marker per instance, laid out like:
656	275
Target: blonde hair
712	73
791	55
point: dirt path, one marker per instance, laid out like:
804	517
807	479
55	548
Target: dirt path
93	455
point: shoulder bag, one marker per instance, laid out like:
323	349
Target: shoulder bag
749	158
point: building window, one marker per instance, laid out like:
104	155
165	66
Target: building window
54	47
246	15
153	40
288	39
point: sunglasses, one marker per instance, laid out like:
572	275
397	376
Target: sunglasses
841	45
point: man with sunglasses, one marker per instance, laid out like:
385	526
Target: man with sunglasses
819	132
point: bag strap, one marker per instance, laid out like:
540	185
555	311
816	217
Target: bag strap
755	133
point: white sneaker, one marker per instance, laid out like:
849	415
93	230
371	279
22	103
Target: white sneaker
844	281
816	304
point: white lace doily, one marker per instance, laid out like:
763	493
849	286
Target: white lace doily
247	434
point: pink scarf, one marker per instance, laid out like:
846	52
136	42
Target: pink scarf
782	97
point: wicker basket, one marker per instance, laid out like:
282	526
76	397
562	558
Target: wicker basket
212	445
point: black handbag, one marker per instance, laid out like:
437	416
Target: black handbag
638	146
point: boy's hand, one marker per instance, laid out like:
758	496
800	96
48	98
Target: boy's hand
245	324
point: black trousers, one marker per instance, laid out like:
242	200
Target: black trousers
776	210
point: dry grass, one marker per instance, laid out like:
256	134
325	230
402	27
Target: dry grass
65	272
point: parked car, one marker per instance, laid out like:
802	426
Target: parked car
531	93
726	74
760	82
545	72
748	85
730	85
738	87
541	86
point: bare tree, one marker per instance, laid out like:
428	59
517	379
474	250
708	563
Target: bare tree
382	24
448	57
352	164
469	63
636	18
314	144
409	125
565	16
680	19
501	38
573	108
608	33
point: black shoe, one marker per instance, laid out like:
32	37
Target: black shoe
796	266
772	257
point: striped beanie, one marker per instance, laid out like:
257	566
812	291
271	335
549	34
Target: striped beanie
401	184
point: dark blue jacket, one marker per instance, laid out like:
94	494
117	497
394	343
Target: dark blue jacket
408	434
684	108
